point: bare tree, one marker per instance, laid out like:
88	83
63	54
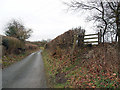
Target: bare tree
101	13
115	10
106	13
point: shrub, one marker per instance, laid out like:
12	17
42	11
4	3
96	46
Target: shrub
12	45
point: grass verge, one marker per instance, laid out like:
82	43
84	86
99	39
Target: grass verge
49	75
51	71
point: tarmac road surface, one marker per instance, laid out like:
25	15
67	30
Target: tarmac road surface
28	73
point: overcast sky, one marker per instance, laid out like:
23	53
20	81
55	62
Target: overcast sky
47	18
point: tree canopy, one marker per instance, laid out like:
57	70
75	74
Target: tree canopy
17	30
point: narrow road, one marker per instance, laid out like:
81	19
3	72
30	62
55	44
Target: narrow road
28	73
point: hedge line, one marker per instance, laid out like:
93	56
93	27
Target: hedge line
12	45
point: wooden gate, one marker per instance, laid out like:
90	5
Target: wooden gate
86	39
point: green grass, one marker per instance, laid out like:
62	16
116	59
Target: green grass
49	74
0	61
51	70
42	48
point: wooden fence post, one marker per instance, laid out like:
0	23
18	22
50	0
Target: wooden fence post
78	40
73	48
81	40
99	36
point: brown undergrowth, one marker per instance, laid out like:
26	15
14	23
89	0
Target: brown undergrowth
9	59
90	67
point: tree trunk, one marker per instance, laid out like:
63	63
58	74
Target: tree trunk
103	38
119	53
118	29
118	50
104	30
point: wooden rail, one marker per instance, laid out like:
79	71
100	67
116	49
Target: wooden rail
96	36
91	34
91	38
91	42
